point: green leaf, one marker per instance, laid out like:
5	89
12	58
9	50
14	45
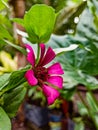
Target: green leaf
2	44
6	27
4	80
19	21
75	63
87	37
39	22
5	123
5	21
13	99
3	4
16	78
4	33
16	47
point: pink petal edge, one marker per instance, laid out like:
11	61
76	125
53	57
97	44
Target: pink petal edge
42	47
49	56
29	75
50	93
56	80
30	55
55	69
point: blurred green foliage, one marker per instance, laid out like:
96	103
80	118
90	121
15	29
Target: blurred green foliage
81	65
78	21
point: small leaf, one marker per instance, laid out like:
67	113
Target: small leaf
5	123
63	50
39	22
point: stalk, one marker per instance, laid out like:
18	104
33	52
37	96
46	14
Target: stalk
38	53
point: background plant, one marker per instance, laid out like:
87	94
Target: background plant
80	65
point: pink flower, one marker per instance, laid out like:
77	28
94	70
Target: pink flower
48	78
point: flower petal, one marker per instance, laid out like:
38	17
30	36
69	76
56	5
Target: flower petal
50	93
55	69
50	55
42	47
30	54
56	80
29	75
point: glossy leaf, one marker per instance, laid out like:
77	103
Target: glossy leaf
39	22
5	123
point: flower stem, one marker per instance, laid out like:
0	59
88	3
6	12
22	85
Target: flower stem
38	53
